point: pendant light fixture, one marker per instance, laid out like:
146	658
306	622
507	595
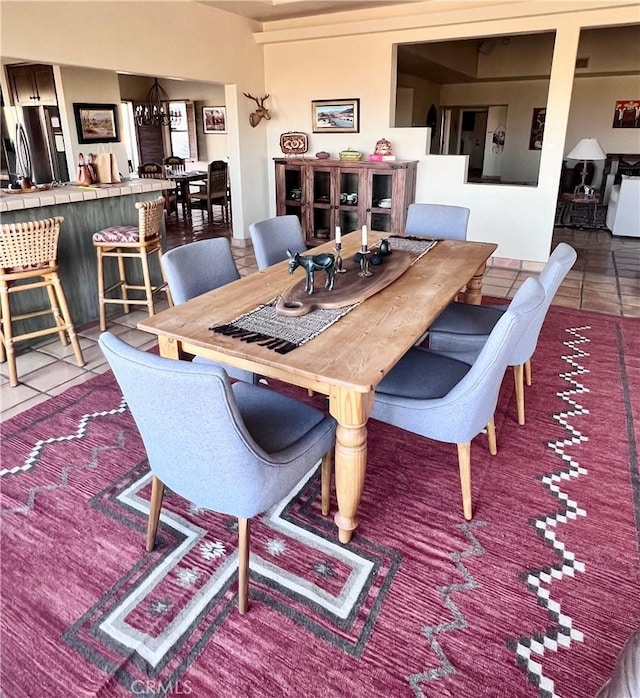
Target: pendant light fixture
154	111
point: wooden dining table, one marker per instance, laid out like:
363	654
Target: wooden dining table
182	181
347	360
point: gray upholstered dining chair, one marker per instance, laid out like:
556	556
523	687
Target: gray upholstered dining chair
448	400
462	329
272	237
198	267
437	221
235	449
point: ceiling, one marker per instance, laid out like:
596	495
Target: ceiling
268	10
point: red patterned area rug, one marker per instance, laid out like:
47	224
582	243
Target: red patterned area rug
534	597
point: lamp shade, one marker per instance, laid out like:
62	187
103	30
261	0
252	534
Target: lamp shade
587	149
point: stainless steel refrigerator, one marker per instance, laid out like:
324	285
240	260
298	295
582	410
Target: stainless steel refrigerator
34	144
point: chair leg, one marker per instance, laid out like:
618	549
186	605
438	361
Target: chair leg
7	342
491	436
527	372
325	481
66	317
124	288
518	376
464	464
244	542
55	310
101	304
147	281
155	505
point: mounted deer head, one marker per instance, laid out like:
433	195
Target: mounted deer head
261	112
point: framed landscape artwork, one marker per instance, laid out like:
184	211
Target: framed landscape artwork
214	119
335	115
96	123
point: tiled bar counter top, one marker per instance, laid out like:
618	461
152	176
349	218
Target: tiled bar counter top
85	211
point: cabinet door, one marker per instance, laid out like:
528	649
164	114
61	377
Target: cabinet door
290	184
22	86
351	198
32	85
380	190
44	84
322	204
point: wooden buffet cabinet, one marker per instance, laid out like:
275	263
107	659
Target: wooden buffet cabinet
327	193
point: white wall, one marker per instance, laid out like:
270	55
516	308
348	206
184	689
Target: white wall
82	85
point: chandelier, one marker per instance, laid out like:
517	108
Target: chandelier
154	111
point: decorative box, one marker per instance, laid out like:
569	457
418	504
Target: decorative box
350	154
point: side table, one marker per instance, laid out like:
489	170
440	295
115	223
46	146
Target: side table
573	200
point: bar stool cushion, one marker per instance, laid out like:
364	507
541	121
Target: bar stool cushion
118	233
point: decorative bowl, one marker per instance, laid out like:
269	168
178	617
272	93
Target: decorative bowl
323	155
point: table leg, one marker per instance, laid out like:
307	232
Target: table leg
473	292
351	410
169	348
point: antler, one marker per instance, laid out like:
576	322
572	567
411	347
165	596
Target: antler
261	112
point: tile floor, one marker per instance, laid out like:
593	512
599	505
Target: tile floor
606	278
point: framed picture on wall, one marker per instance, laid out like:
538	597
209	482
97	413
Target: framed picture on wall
627	114
537	128
214	119
96	123
335	115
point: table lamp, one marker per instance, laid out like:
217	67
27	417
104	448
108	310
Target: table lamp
587	149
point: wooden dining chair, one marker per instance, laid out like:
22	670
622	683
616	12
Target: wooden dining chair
153	170
28	263
215	192
174	163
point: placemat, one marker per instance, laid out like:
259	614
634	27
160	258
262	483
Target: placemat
280	332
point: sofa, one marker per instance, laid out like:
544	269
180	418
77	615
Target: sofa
623	211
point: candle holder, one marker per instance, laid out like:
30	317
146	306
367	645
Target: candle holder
339	267
364	263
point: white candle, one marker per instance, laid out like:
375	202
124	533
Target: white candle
364	236
338	235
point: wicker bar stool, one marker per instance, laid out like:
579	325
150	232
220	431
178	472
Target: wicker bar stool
134	242
28	255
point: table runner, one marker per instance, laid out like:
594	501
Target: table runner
282	333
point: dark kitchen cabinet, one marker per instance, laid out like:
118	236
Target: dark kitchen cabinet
32	85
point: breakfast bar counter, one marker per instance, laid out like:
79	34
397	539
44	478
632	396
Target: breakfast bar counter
85	211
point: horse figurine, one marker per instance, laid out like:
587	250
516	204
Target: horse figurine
311	264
